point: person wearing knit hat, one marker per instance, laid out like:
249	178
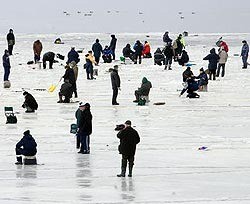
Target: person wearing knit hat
129	138
26	146
84	128
116	83
30	103
143	90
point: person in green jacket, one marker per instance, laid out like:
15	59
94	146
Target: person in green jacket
143	90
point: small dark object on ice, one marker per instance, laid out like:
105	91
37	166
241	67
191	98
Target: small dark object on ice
159	103
202	148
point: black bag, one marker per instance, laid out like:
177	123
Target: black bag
11	119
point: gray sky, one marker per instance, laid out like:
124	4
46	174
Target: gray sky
46	16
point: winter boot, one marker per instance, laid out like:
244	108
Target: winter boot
19	161
123	168
130	167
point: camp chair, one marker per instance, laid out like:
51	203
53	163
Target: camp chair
11	118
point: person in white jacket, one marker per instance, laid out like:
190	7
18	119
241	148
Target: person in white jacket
222	61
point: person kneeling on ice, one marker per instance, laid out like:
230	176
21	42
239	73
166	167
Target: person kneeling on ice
159	58
85	128
184	58
127	52
30	103
129	138
48	56
26	146
146	50
190	86
143	90
203	78
66	91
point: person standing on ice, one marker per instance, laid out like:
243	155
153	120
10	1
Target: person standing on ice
169	53
244	53
138	47
85	128
37	48
78	114
222	61
112	45
116	83
73	56
11	41
129	138
97	49
26	146
213	59
6	65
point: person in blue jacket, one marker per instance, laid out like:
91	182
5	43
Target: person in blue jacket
191	86
202	78
73	56
6	65
26	146
97	49
244	53
107	55
213	59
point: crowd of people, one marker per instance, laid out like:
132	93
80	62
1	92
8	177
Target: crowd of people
173	51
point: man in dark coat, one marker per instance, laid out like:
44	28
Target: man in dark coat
97	49
116	83
138	47
11	41
169	53
70	75
73	56
30	103
127	52
48	56
112	45
129	138
37	48
6	65
78	114
187	74
26	146
244	53
213	59
143	90
159	58
66	91
85	128
166	38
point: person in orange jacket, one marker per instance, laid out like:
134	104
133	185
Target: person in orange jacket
146	50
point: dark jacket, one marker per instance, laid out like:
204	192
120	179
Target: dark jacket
70	75
129	138
37	47
6	60
28	144
11	39
127	52
66	90
245	50
187	74
30	101
85	123
138	47
145	87
213	59
49	56
158	56
115	79
166	38
78	114
184	58
203	79
97	49
73	56
107	52
192	86
112	45
168	52
88	66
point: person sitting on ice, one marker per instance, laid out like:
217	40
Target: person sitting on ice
143	90
190	86
127	52
202	78
58	41
159	58
66	91
183	59
146	50
107	55
29	103
26	146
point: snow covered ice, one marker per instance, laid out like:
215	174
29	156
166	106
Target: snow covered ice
168	166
